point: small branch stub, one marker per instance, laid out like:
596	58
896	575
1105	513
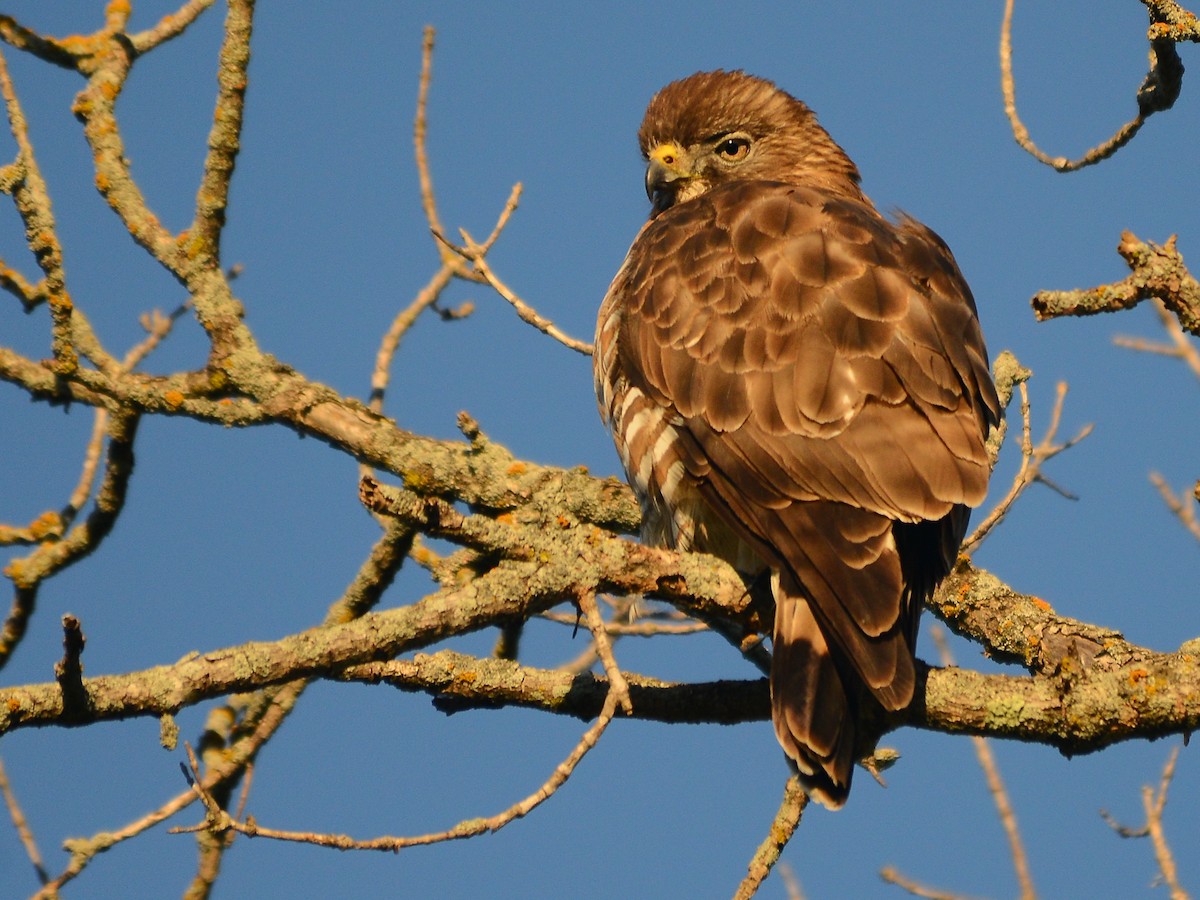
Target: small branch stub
68	671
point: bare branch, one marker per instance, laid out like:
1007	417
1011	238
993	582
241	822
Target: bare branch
50	49
475	254
224	139
892	876
1033	458
219	821
790	882
22	826
1157	92
778	835
1154	804
33	203
991	771
169	26
645	626
404	320
52	556
617	683
1158	271
1180	345
1182	506
270	707
420	126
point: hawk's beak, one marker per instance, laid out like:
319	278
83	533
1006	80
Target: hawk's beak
668	164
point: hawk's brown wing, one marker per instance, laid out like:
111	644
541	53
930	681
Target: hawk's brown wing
827	371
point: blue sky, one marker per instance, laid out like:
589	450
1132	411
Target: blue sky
233	536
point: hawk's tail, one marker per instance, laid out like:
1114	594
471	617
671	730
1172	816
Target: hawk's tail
813	714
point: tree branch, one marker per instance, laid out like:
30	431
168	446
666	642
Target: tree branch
1158	272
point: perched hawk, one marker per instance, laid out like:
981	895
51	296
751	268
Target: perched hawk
796	384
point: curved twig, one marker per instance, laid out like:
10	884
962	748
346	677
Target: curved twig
1158	90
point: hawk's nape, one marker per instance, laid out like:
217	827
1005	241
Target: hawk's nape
796	384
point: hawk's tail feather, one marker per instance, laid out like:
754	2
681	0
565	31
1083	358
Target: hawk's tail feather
810	707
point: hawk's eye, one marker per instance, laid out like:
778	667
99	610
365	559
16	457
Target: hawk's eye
733	149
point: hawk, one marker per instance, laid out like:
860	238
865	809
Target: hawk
800	386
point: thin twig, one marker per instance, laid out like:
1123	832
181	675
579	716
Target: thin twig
1033	458
991	771
510	207
1158	91
1154	804
644	627
616	680
22	826
453	265
169	26
1179	504
1004	809
473	252
273	706
1180	346
465	829
428	200
585	660
782	828
790	882
892	876
157	328
424	173
400	326
33	203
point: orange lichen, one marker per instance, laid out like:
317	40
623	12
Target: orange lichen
14	705
199	248
517	468
1042	604
66	363
414	480
76	43
173	399
192	245
47	523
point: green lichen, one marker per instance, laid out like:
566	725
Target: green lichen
1004	712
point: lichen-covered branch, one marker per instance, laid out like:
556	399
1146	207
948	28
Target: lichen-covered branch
1158	271
791	808
1090	688
224	139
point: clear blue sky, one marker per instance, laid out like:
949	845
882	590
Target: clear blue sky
232	536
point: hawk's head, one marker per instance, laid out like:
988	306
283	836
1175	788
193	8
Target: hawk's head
712	128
